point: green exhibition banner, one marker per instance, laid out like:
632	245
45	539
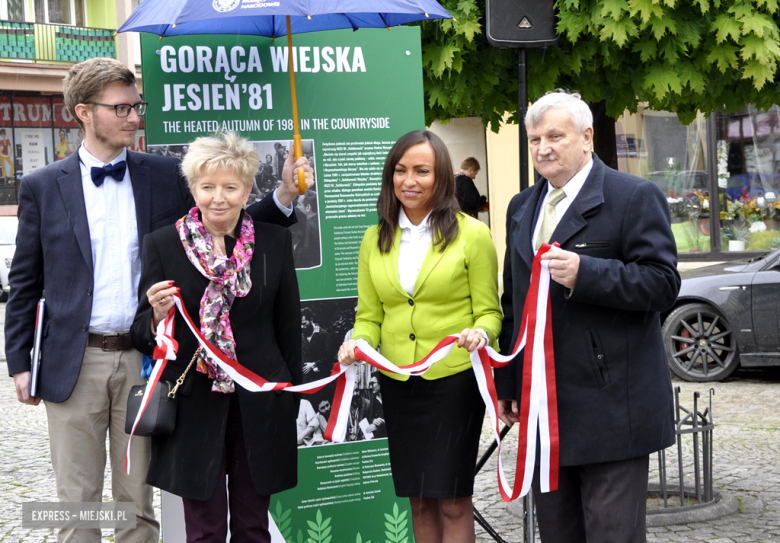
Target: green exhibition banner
358	92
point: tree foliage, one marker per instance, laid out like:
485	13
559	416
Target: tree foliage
677	55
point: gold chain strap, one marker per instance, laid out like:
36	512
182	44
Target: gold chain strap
180	380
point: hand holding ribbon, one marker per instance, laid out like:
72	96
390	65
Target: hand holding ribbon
166	350
539	406
538	410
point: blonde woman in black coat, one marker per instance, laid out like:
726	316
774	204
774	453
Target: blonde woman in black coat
238	283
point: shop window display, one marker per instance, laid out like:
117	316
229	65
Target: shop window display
36	130
734	196
655	146
748	148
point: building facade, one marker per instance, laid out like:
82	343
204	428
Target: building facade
39	41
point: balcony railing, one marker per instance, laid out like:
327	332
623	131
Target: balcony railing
48	43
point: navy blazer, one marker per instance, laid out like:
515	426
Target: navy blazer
613	384
54	252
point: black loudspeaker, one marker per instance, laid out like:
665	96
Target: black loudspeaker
521	23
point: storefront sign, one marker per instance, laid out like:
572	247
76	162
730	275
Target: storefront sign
33	149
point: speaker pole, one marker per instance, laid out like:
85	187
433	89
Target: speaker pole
522	108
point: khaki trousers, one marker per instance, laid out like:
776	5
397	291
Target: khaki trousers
77	432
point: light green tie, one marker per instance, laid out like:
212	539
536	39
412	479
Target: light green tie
549	222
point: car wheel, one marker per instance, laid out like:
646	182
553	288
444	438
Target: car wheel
3	296
700	344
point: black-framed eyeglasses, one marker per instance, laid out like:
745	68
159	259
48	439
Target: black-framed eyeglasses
123	110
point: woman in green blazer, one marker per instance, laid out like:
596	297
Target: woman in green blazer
424	272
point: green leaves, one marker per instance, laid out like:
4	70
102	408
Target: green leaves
659	26
759	73
282	520
661	81
764	51
675	55
692	76
396	526
725	27
724	56
438	57
646	9
771	5
319	531
614	9
758	24
618	31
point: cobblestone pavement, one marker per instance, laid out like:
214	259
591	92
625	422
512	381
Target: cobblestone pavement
746	464
25	466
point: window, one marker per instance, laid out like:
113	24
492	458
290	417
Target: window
66	12
748	148
12	10
655	146
721	176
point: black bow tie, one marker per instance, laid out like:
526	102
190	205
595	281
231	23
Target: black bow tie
117	171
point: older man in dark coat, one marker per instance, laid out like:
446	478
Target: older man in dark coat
615	272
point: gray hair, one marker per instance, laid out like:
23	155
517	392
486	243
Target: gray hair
223	150
581	117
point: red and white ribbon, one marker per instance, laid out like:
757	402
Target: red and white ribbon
538	409
166	350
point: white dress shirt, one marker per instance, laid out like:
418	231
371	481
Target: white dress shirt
415	241
571	190
116	259
286	210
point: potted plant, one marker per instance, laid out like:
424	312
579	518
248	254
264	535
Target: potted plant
737	236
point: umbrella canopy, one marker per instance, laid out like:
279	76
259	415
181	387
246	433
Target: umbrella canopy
276	18
264	18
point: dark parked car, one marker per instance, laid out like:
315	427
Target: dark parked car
726	315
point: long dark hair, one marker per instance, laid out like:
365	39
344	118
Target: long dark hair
443	205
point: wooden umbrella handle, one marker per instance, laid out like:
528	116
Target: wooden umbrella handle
301	181
298	154
296	130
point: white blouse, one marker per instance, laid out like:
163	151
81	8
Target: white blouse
415	241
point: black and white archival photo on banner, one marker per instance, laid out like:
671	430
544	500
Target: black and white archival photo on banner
174	150
307	250
325	325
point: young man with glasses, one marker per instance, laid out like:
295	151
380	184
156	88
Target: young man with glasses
82	222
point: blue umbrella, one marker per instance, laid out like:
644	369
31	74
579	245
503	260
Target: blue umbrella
273	18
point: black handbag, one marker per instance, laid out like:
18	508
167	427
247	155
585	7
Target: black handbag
159	418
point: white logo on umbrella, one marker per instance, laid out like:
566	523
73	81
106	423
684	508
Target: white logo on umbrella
225	5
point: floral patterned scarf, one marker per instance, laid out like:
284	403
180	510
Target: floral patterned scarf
228	278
